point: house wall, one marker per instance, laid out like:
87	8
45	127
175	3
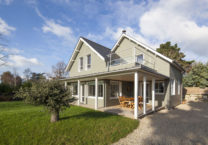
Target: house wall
177	75
97	64
127	49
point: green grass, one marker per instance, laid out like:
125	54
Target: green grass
30	125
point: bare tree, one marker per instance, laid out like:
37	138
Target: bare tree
27	73
59	70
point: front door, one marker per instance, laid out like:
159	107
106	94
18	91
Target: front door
82	93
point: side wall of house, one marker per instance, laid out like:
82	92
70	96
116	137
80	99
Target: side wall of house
177	76
97	64
127	49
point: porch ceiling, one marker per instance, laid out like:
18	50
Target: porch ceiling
130	77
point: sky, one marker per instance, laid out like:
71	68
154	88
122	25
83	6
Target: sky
40	33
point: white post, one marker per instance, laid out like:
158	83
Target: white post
144	94
96	93
65	84
136	78
78	91
120	88
153	94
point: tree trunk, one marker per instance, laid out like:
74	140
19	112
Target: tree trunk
54	116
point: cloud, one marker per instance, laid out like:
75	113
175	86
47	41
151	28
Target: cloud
179	22
50	26
5	29
115	33
7	2
58	30
21	61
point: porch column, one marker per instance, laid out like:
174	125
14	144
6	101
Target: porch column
96	93
78	91
136	79
65	84
144	95
153	94
120	88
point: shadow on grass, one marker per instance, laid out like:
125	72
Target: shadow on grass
89	114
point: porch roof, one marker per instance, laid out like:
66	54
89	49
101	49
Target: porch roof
141	68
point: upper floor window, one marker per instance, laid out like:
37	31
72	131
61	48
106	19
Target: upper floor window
172	87
88	61
81	63
159	87
140	58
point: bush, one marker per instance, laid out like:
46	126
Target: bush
6	89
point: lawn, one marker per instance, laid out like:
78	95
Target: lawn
21	124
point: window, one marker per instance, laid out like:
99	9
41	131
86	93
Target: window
172	87
100	90
88	61
159	87
81	63
91	90
140	58
114	85
179	87
74	89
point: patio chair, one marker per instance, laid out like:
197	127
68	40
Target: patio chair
122	101
140	102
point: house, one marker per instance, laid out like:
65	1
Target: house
99	75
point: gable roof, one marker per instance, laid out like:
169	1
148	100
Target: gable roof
103	51
141	44
100	50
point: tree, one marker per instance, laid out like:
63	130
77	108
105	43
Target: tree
37	76
7	78
51	94
174	53
197	77
59	70
27	73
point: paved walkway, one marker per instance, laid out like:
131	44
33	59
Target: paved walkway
187	124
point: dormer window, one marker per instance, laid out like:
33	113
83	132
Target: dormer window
88	61
81	63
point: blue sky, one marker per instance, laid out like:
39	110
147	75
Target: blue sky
39	33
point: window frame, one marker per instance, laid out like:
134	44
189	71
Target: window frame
136	58
172	84
73	89
116	82
81	68
159	82
179	87
89	65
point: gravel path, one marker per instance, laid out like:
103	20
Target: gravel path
187	124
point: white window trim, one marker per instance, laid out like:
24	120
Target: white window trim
163	90
179	87
173	87
138	55
111	98
79	70
87	62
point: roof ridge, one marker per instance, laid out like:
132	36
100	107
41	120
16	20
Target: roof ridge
95	42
